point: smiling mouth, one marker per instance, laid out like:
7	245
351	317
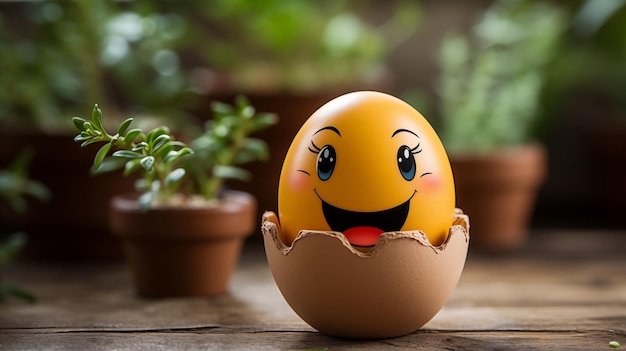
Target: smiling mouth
363	228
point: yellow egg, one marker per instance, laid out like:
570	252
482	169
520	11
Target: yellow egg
368	243
366	163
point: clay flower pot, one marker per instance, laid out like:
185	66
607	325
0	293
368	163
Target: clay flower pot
189	250
498	191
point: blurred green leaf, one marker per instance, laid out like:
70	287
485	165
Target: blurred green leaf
110	164
16	291
11	246
147	163
146	199
252	150
37	190
174	176
177	154
263	121
231	172
132	166
492	79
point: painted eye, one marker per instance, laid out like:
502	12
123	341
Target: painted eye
326	162
406	162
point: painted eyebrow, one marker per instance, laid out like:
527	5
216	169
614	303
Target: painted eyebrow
329	128
403	130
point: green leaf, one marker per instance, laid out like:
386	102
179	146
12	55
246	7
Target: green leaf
160	141
89	142
142	184
146	200
263	121
231	172
11	247
221	108
96	117
250	155
110	164
185	151
257	148
163	150
178	143
81	137
155	186
19	165
127	154
174	176
140	147
20	293
242	103
104	150
155	133
132	166
147	163
131	135
79	123
18	204
37	190
88	126
124	126
177	154
247	112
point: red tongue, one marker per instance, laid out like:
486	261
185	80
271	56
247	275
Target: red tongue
363	236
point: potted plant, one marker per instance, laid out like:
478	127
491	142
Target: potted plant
291	58
58	57
593	77
490	88
182	232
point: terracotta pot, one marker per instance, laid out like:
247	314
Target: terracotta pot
183	251
498	191
73	224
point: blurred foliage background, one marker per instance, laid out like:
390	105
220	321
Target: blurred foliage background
163	58
159	57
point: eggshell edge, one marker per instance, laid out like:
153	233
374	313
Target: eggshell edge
436	276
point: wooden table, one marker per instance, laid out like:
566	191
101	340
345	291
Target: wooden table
565	291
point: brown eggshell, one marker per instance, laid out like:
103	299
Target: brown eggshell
392	290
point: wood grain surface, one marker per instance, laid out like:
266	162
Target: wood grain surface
565	291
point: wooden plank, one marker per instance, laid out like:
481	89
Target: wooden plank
223	339
566	291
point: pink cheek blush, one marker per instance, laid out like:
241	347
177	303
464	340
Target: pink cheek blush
300	181
429	183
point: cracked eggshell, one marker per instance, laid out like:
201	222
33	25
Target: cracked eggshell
391	290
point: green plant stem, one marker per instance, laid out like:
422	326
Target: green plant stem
214	184
160	173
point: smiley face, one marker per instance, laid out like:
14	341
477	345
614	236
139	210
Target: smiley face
363	164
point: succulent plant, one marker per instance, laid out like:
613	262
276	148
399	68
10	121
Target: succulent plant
168	166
